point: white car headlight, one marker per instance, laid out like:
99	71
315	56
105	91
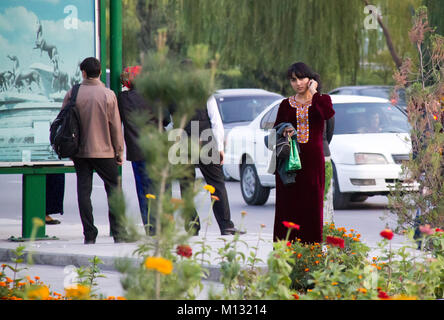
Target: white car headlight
370	158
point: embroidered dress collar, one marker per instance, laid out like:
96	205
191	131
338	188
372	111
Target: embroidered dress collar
302	132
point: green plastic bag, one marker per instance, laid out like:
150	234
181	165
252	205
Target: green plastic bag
293	162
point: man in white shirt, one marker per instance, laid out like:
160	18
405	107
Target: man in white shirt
207	123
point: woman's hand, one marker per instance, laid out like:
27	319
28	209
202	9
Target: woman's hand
313	86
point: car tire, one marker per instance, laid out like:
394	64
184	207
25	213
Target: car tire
340	200
356	197
252	191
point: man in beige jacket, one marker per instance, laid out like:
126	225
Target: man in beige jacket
101	146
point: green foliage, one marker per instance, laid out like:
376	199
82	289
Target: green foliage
424	86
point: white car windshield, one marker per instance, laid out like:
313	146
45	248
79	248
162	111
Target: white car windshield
243	108
369	118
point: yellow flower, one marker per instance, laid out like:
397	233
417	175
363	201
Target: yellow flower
77	291
159	264
38	222
150	196
40	293
209	188
403	297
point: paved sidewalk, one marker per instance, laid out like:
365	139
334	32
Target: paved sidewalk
70	250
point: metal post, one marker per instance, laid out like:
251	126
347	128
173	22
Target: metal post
34	204
115	44
103	47
115	13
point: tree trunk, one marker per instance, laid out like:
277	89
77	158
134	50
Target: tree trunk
388	40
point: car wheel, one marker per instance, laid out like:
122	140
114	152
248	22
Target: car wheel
252	190
340	200
227	177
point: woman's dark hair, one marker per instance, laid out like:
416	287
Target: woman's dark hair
91	66
301	70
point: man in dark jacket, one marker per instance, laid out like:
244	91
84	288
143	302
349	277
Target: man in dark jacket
132	104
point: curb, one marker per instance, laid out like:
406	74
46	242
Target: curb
78	260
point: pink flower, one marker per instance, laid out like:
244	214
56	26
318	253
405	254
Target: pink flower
387	233
426	229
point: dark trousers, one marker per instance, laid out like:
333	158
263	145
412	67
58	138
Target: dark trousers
143	187
107	170
55	191
214	176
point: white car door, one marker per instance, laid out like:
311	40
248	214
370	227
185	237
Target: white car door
262	154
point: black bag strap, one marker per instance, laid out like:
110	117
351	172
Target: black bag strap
74	92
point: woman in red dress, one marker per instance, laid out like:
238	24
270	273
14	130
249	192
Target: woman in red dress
302	201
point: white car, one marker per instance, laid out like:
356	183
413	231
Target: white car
366	160
241	106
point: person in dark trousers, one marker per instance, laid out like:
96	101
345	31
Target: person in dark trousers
55	192
132	104
101	147
204	119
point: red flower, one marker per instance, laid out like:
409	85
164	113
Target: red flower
439	230
383	295
335	241
387	233
291	225
184	251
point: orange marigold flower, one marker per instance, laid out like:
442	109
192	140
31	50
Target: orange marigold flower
362	290
296	296
215	198
307	269
299	255
159	264
334	283
2	284
40	293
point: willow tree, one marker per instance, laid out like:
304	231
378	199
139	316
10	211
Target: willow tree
263	37
257	39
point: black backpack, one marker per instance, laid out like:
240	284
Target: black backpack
64	133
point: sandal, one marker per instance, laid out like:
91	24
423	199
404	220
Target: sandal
49	220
